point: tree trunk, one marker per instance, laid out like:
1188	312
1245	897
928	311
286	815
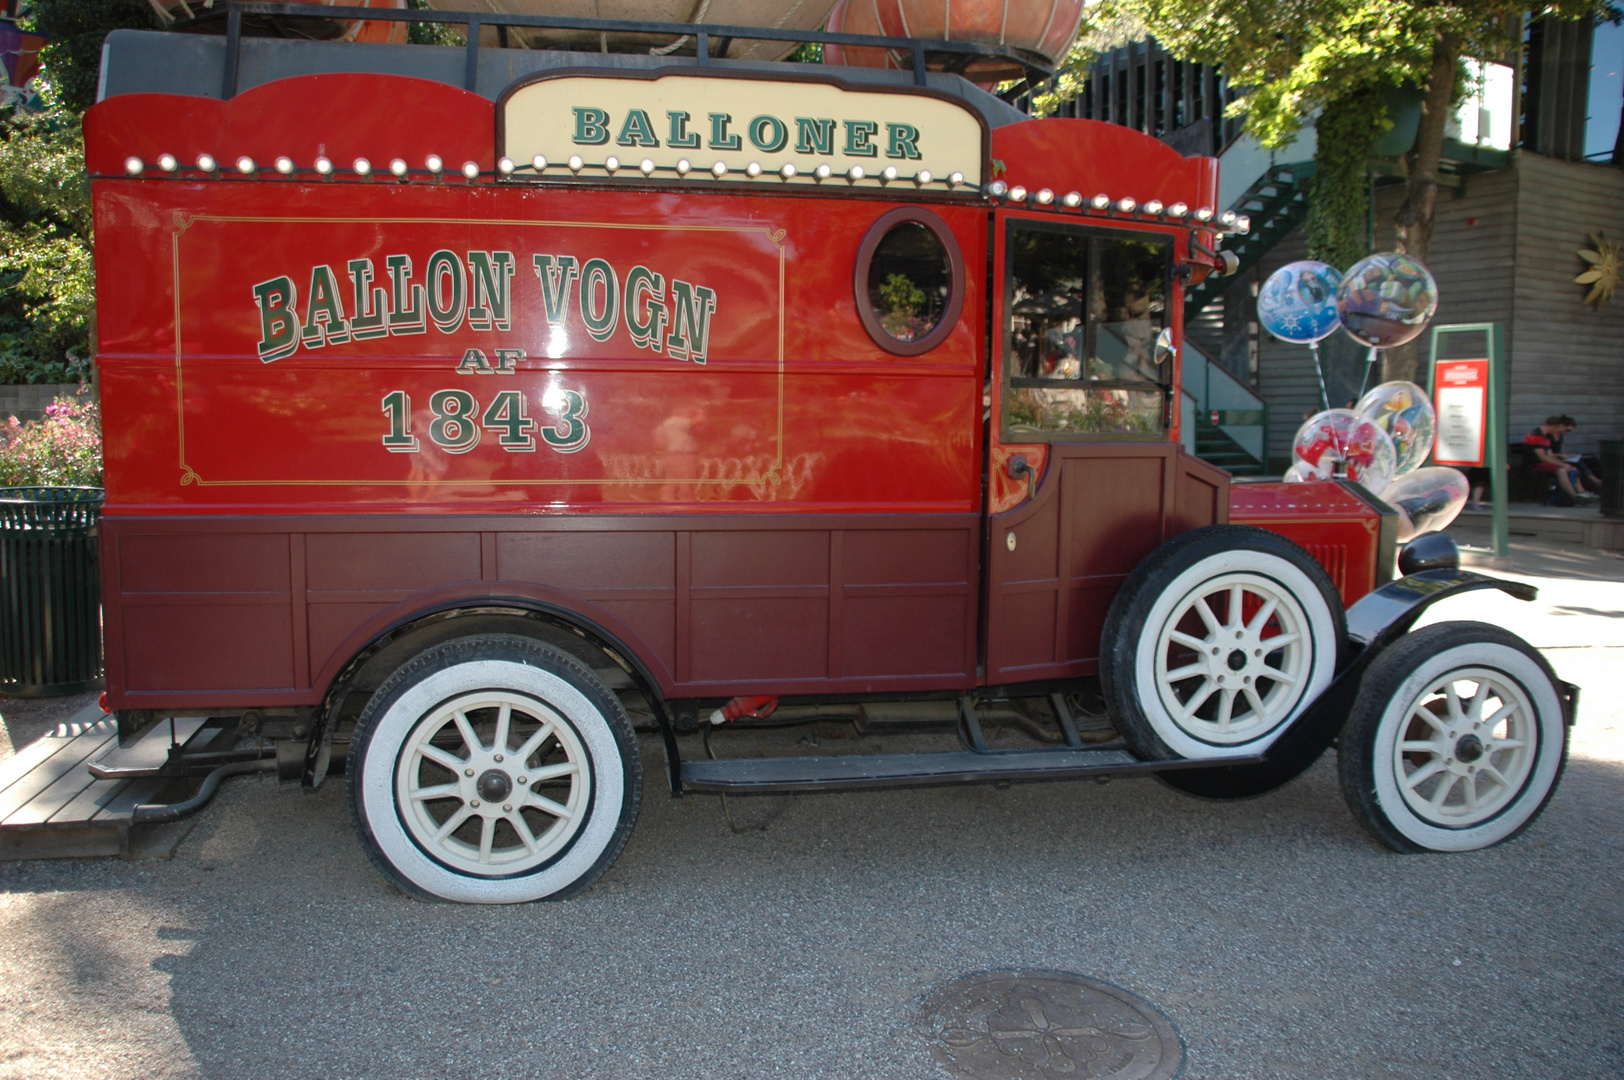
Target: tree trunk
1413	224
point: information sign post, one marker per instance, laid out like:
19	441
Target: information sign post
1470	398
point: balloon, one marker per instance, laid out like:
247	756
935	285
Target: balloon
1300	473
1427	500
1343	436
1386	300
1403	410
1298	302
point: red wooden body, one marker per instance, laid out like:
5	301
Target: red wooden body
795	511
1352	538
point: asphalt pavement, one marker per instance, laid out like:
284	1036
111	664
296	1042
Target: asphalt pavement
1274	934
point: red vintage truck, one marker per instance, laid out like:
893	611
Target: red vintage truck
465	406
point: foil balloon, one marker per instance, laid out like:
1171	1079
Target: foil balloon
1386	300
1342	440
1427	500
1403	410
1298	301
1301	472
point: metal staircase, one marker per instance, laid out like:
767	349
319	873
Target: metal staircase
1225	421
1213	444
1277	203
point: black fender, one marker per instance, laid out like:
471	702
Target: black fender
1375	621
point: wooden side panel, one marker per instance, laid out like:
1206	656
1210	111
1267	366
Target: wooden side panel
1099	510
907	601
225	595
266	610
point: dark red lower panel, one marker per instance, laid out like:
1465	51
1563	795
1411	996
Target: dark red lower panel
221	612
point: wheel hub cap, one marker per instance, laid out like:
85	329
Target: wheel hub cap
1469	748
494	786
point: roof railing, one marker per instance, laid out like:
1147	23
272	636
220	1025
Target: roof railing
950	56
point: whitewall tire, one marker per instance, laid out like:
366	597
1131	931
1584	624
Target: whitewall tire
1216	642
494	770
1457	739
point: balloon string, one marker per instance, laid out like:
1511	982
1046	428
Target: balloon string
1370	365
1325	400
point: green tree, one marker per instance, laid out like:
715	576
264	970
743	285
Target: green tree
76	29
47	281
1293	60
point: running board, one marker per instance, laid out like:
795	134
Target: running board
847	772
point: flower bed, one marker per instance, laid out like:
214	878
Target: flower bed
62	450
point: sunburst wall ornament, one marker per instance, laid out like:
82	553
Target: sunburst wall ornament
1605	263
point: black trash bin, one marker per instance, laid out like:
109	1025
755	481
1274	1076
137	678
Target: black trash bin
50	591
1612	476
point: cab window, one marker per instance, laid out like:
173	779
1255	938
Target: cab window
1083	309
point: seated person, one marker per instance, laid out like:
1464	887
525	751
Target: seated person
1546	443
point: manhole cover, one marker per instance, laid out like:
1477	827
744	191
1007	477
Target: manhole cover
1011	1025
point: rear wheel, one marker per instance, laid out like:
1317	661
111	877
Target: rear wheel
1456	741
494	769
1216	642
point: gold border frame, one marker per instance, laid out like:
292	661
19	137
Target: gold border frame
182	222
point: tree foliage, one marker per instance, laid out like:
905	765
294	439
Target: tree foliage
76	29
1294	60
1105	28
1339	193
47	281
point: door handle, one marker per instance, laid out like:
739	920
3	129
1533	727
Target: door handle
1017	467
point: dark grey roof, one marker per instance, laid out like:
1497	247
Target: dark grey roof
145	61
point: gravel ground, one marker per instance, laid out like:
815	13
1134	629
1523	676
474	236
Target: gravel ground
22	720
1275	935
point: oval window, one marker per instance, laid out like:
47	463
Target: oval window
910	281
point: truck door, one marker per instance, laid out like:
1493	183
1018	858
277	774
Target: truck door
1085	474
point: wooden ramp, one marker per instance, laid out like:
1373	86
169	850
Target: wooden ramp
51	807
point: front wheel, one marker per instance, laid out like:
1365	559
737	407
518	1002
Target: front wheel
494	770
1456	741
1216	642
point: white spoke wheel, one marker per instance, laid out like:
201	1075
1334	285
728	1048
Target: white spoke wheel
1231	658
1216	642
1456	741
494	769
493	782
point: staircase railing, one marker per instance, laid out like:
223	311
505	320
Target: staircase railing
1277	202
1216	403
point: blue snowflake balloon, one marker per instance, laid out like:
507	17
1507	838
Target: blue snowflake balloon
1298	302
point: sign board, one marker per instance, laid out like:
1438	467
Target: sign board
801	131
1470	397
1461	396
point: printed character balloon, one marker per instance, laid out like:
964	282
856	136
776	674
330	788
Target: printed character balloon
1298	302
1386	300
1427	500
1403	410
1342	436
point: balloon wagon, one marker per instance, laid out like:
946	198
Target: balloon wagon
470	409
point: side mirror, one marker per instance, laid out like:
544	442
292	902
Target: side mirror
1165	349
